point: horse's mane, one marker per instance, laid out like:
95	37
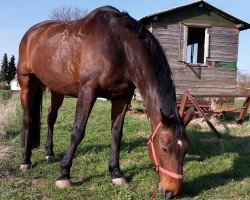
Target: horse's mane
161	69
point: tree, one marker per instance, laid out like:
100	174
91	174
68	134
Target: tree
11	70
241	77
4	68
67	13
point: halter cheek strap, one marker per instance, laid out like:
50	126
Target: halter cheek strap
158	167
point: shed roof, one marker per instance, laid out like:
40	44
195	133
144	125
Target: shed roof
242	24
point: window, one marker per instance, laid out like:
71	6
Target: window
194	44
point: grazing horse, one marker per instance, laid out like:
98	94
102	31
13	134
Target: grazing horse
105	54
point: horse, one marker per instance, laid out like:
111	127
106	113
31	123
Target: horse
105	54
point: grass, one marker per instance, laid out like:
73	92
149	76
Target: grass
5	94
10	114
214	169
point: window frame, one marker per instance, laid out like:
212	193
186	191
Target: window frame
183	43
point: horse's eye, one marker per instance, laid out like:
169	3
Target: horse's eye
165	150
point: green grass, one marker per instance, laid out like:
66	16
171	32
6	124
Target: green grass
5	94
214	169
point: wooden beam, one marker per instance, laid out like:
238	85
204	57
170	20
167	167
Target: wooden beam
203	115
183	104
243	111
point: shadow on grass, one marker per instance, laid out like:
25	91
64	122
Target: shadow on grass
205	146
95	148
202	147
231	117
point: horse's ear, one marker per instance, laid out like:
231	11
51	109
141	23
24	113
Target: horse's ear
189	115
167	120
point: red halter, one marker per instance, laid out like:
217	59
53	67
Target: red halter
158	167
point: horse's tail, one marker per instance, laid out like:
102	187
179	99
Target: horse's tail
35	116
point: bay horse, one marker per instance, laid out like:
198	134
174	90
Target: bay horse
105	54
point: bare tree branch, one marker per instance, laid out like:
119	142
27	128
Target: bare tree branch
241	77
67	13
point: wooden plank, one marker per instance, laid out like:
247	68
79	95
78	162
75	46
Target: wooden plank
225	58
183	104
183	39
223	30
243	111
224	51
171	28
165	33
206	45
168	41
206	83
205	86
208	90
223	38
225	44
203	115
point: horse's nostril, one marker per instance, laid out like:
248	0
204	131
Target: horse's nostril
168	195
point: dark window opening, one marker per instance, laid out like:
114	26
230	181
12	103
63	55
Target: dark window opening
195	45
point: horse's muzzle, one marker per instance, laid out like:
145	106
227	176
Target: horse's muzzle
167	193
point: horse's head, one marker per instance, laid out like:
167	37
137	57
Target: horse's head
167	150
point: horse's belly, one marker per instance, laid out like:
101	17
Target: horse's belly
60	84
116	90
69	90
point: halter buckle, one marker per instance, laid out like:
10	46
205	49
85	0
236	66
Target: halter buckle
157	168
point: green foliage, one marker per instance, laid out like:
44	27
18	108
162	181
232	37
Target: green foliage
11	72
4	68
214	169
8	69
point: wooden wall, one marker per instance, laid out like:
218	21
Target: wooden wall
223	46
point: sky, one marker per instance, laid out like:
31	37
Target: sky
17	16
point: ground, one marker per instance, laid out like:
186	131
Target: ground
213	169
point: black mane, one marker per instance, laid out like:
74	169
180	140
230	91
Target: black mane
161	69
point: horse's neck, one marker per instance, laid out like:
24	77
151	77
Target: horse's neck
149	94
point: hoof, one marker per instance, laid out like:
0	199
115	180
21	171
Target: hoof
63	183
120	182
25	167
51	158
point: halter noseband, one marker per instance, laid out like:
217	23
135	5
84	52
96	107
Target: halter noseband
158	167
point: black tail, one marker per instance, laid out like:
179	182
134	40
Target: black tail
35	119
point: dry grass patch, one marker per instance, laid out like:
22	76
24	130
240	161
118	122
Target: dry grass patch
8	112
219	124
4	151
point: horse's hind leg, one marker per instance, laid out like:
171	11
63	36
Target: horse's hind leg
31	96
85	102
119	108
56	102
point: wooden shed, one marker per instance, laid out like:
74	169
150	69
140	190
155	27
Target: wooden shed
201	45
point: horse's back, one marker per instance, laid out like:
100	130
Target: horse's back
66	29
89	48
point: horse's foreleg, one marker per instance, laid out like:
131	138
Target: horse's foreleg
85	102
56	102
119	108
